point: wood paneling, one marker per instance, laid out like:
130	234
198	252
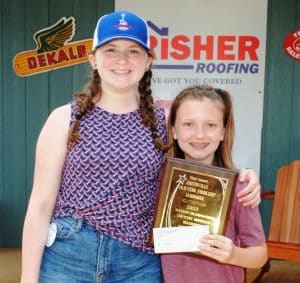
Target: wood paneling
25	102
14	126
281	127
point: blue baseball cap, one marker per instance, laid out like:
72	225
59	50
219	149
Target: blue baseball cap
121	24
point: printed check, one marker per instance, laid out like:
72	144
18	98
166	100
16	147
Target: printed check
178	239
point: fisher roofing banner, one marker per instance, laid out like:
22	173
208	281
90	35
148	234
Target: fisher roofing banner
221	43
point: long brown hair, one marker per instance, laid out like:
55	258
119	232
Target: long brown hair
223	154
92	93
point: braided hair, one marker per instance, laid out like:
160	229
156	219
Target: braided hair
92	93
147	109
85	103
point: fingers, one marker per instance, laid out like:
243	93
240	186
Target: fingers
251	198
243	175
217	247
250	195
251	201
250	188
216	241
249	176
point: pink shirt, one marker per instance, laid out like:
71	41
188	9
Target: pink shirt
244	228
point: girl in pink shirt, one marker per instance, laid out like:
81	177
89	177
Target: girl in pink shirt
201	119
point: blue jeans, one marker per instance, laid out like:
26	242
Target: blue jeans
81	254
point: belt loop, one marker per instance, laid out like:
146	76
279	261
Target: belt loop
78	224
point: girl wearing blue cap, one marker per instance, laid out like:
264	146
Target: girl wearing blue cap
97	166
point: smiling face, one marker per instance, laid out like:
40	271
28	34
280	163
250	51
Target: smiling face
121	64
199	128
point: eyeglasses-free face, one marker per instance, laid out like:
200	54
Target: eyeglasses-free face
199	129
121	63
132	51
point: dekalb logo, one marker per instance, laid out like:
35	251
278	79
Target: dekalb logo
54	49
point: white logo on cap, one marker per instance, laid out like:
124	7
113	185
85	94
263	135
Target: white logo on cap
122	23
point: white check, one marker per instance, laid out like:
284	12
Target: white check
178	239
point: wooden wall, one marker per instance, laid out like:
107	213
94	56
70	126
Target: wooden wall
281	122
25	102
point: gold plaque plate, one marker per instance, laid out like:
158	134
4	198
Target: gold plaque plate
192	194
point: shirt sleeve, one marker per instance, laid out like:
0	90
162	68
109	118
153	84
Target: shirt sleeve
248	223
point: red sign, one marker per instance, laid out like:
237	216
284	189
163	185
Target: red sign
291	45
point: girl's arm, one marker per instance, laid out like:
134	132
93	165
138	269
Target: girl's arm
222	249
245	225
250	195
50	155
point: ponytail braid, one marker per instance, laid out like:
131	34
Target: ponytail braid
85	103
147	110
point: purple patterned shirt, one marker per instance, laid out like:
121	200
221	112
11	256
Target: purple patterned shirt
110	175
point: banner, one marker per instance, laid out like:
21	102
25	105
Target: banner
221	43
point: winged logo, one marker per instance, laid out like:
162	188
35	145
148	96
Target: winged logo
55	36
